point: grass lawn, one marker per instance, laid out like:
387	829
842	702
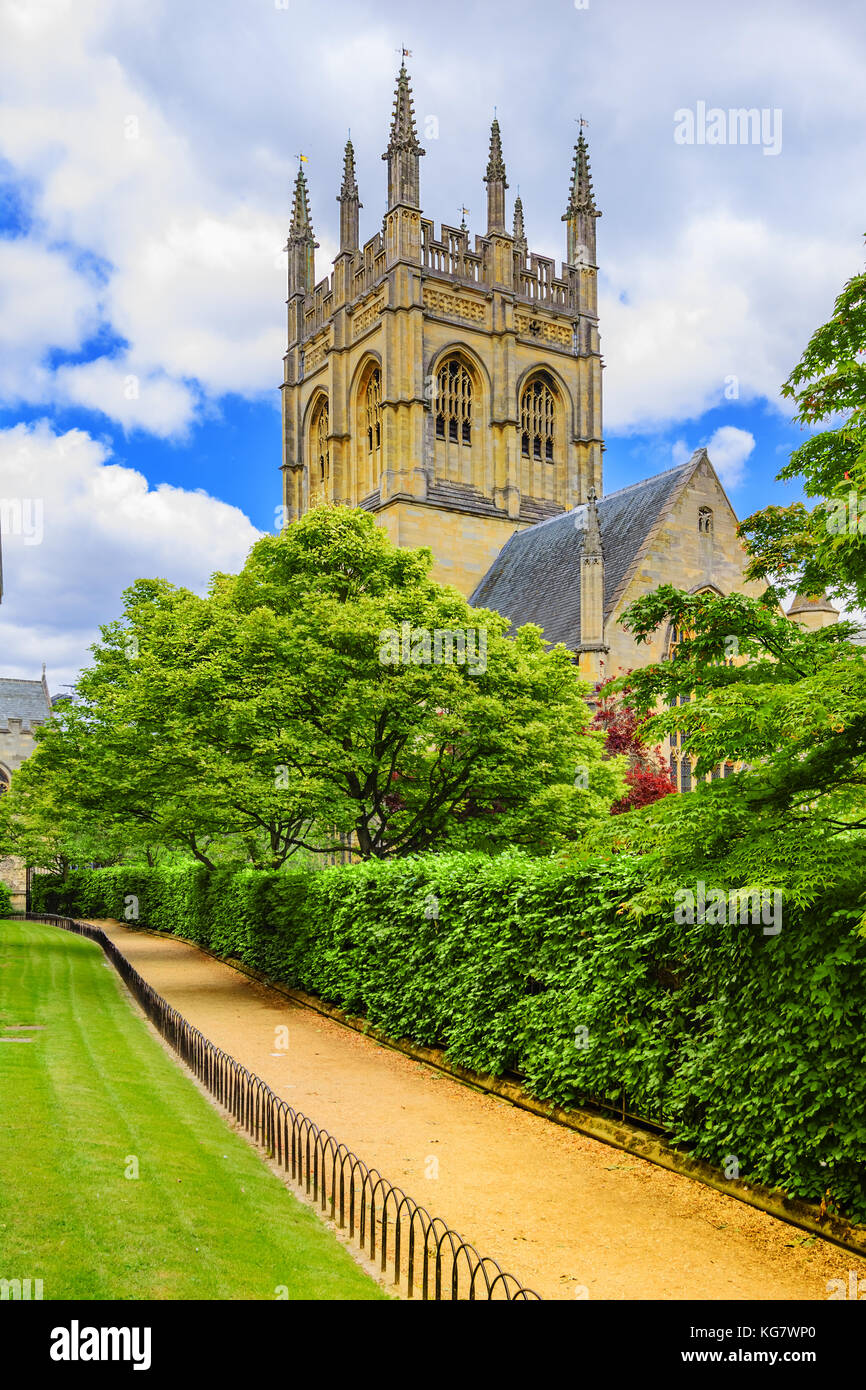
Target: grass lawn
91	1091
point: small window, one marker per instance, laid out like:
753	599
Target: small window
705	521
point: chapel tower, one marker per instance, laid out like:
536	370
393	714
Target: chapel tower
452	389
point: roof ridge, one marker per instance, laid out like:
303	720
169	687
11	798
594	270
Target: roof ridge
608	496
653	478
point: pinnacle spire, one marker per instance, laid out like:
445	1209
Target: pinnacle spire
581	197
495	163
592	577
519	233
301	225
581	211
349	188
404	149
349	201
403	133
496	184
592	543
302	244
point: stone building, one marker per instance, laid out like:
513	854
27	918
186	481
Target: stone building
575	574
24	705
452	388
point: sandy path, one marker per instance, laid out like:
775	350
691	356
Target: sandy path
555	1208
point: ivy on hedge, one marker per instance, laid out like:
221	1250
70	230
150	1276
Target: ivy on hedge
750	1046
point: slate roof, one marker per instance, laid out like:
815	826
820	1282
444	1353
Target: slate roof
24	700
534	578
812	603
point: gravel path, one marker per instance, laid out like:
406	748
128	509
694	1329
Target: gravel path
563	1212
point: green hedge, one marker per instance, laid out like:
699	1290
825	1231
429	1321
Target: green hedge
5	901
751	1046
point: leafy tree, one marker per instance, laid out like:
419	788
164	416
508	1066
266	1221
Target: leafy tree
748	685
647	775
302	702
792	708
825	547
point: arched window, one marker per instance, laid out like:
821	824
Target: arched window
373	411
705	521
320	461
4	781
454	402
538	418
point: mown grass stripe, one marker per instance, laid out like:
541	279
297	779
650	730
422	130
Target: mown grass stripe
205	1218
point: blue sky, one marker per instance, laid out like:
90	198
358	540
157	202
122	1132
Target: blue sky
147	154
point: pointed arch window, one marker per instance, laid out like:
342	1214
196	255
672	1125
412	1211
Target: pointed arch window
454	402
4	781
705	521
320	459
538	418
373	411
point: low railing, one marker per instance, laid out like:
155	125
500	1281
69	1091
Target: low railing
423	1255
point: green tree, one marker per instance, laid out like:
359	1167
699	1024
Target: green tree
823	547
310	698
747	685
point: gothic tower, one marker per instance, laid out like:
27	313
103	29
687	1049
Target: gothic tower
452	388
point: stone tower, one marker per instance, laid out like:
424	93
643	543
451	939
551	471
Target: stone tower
452	389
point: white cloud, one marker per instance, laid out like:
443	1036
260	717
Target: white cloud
43	301
102	528
711	318
728	448
162	140
136	399
194	273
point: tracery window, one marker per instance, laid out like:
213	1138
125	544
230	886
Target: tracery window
454	402
373	411
538	418
705	521
320	461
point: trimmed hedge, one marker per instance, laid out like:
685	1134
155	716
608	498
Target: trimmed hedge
5	901
751	1046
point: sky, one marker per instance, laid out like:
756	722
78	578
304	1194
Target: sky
147	156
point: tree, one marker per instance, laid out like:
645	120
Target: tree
647	776
331	689
825	548
791	704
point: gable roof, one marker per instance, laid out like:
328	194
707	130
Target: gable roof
24	700
535	577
